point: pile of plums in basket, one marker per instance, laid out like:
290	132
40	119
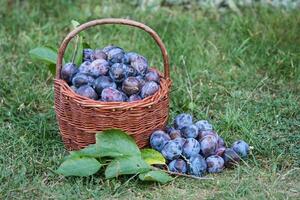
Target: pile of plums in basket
112	75
195	148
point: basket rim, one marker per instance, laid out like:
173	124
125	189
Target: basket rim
68	93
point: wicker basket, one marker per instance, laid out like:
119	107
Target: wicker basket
79	118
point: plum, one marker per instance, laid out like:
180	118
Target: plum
115	55
99	54
182	120
141	79
178	166
204	125
108	48
82	79
98	67
87	91
140	64
68	71
190	148
149	89
131	56
174	134
189	131
134	97
159	139
87	55
220	151
111	94
231	158
130	71
208	145
131	85
215	164
205	133
117	72
197	165
103	82
241	148
152	76
172	150
180	141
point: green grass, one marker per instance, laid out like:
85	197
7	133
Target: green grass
240	72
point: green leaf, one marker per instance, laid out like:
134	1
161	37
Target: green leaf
44	54
52	68
153	157
75	23
115	143
78	58
158	176
75	166
126	165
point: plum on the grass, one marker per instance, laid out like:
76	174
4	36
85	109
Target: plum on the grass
204	125
190	148
182	120
159	139
231	158
215	164
178	166
208	145
87	91
197	165
174	134
172	150
241	148
189	131
180	141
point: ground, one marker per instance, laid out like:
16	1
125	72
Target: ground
240	72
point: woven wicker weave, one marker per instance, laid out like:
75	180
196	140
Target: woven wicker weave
79	118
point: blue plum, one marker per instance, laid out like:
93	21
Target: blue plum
178	166
197	165
152	76
205	133
131	85
141	79
130	71
149	89
131	56
103	82
98	67
140	64
241	148
82	79
189	131
87	91
87	55
180	141
174	134
172	150
99	54
190	148
159	139
68	71
134	97
208	145
182	120
108	48
215	164
204	125
115	55
117	72
111	94
231	158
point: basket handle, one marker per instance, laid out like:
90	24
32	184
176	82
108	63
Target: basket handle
128	22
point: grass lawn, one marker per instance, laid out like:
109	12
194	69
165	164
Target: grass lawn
240	72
